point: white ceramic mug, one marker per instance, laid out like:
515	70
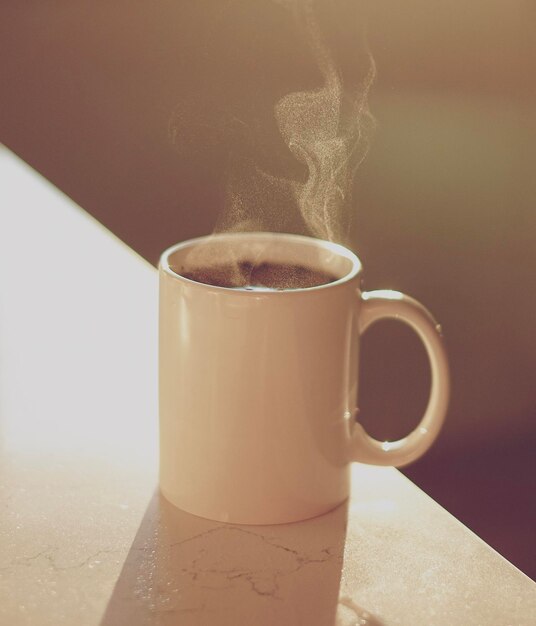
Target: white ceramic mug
258	390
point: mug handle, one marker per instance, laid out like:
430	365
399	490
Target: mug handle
383	304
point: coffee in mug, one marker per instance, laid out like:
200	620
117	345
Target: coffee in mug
249	275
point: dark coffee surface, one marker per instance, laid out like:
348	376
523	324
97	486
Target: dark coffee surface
245	275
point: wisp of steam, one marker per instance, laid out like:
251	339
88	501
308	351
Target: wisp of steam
326	129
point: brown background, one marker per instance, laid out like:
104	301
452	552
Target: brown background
444	205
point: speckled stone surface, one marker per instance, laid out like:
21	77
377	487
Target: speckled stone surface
85	538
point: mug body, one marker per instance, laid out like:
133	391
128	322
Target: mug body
257	388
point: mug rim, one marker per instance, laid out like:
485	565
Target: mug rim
337	248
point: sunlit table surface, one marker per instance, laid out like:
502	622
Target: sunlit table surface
85	537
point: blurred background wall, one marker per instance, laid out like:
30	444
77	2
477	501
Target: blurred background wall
444	206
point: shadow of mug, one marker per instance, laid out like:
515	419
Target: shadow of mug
193	571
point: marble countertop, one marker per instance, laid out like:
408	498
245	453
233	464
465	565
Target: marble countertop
85	538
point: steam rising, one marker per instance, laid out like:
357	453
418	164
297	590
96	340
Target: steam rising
326	131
